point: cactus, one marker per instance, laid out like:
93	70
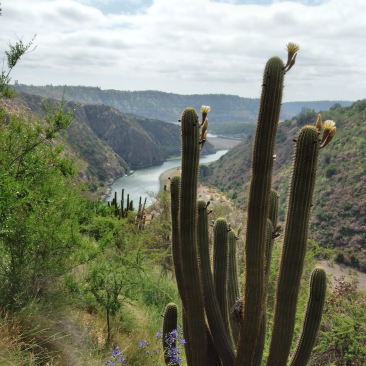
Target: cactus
220	266
191	295
313	316
196	287
170	323
219	331
233	286
294	244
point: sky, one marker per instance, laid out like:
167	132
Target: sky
191	46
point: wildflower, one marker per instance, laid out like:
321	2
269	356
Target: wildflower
158	334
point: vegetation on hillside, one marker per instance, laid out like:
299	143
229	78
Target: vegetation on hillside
338	215
240	130
155	104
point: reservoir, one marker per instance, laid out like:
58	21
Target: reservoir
145	180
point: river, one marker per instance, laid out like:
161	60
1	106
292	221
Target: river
145	180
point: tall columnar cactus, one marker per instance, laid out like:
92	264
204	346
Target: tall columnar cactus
220	266
192	291
313	317
170	322
192	264
258	208
219	331
233	286
294	244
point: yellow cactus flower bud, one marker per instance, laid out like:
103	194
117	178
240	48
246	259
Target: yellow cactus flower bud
328	125
319	124
329	137
292	48
204	127
204	110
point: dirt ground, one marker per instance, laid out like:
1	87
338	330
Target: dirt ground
337	271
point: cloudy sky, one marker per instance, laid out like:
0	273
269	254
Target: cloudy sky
191	46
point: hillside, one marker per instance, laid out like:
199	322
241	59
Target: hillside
156	104
112	142
339	216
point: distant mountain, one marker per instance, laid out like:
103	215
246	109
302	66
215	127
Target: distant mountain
321	105
111	142
339	216
156	104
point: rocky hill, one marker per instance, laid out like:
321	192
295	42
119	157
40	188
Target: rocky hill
339	214
110	142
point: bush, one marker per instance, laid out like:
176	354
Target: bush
339	258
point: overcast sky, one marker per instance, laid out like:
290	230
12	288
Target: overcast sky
191	46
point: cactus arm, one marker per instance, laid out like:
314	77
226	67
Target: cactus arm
213	358
294	244
169	324
233	286
273	208
187	350
313	317
192	295
174	204
220	335
220	266
262	336
258	209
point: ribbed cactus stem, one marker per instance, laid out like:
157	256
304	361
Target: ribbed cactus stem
294	244
192	297
187	350
220	266
313	317
128	202
273	208
169	324
258	209
213	358
220	334
262	336
233	286
174	208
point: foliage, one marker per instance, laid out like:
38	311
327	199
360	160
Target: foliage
338	215
237	129
342	337
39	204
13	55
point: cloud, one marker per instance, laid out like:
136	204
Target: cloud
192	46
